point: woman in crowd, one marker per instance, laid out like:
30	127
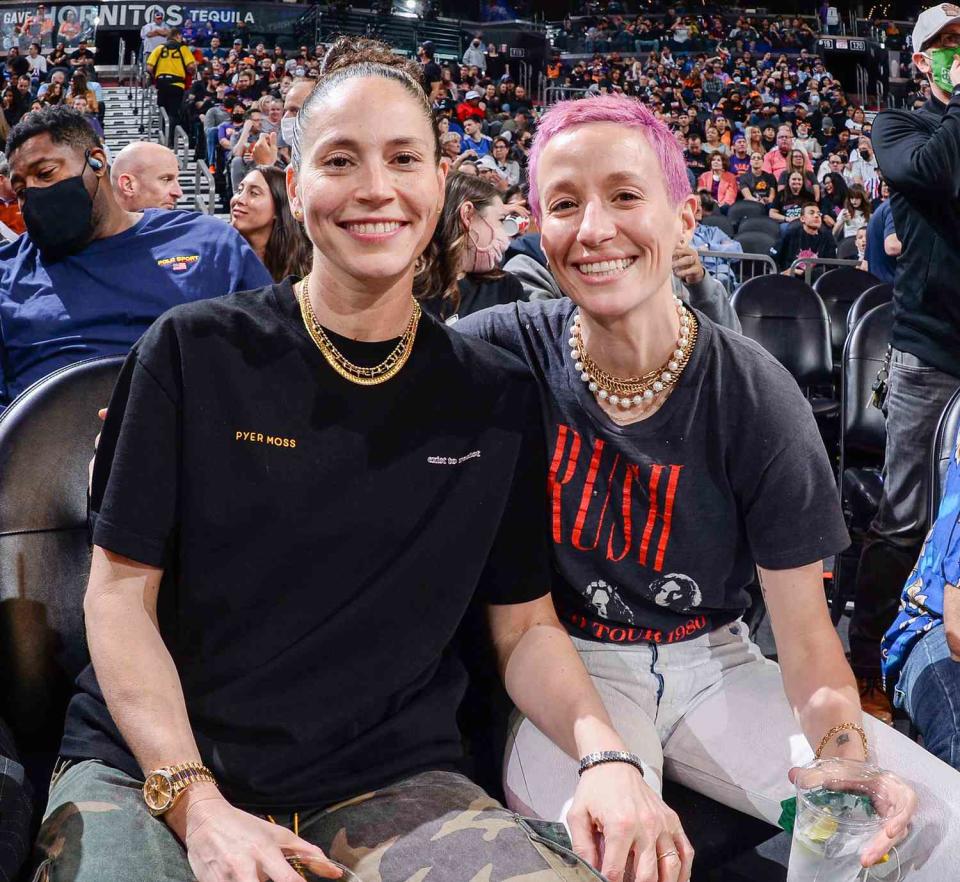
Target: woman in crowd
855	214
4	132
281	470
713	144
755	140
79	88
11	113
834	194
473	225
790	201
798	163
719	182
260	212
683	458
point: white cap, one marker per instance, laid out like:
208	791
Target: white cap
933	20
472	94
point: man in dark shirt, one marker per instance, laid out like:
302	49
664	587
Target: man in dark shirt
806	239
432	75
91	277
757	185
919	156
695	157
883	246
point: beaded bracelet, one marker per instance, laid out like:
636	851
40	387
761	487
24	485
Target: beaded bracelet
841	728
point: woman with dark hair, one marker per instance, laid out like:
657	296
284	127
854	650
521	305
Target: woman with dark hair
260	212
798	163
476	225
834	194
78	87
789	202
855	214
718	181
299	493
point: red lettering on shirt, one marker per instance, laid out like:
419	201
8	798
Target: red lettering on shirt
608	468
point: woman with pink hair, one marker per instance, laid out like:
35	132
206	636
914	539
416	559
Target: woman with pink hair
683	460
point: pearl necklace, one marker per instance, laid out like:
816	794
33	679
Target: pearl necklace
630	392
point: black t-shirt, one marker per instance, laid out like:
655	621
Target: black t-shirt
697	163
790	205
656	527
762	186
431	74
797	242
320	541
476	293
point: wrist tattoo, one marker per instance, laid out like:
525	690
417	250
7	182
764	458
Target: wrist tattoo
842	739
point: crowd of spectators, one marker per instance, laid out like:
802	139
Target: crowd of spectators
757	114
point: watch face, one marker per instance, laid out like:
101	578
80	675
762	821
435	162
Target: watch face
158	792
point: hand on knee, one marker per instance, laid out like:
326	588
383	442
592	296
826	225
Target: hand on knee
616	809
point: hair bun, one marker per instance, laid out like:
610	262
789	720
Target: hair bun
349	51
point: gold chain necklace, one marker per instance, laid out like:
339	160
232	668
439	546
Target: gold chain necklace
355	373
639	392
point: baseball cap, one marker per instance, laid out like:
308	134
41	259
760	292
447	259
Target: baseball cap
489	162
472	94
933	20
739	137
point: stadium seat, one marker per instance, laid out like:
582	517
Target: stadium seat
744	208
943	449
847	248
875	296
787	317
755	241
862	441
760	225
719	220
839	288
46	443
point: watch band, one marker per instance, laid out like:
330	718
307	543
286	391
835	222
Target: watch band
610	756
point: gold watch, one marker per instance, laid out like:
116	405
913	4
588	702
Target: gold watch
164	786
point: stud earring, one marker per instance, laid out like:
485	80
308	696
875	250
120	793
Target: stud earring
298	214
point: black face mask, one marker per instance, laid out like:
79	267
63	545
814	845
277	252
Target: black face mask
865	154
59	218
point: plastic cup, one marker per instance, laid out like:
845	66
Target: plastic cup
841	806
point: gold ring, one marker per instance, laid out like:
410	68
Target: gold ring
667	854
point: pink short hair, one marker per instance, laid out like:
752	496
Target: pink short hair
628	112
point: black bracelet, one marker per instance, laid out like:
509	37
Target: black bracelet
610	756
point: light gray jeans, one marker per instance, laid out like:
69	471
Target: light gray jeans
711	714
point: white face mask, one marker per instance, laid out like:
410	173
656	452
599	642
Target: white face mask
287	126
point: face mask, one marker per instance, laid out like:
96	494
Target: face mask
865	154
287	126
941	60
484	258
237	118
59	218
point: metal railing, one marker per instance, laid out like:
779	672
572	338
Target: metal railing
122	51
553	94
809	264
204	201
164	133
731	268
181	147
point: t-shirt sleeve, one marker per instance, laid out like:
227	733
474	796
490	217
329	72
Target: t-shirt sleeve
889	229
517	569
499	325
787	492
187	56
136	475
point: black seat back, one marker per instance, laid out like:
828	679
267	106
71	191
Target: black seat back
839	288
744	209
874	296
944	448
847	248
762	224
785	316
863	430
46	443
755	241
719	220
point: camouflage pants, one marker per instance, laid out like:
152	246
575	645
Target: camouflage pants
437	824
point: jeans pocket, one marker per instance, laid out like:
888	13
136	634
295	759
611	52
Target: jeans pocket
552	837
59	767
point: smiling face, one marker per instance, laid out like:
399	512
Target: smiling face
251	208
608	227
370	193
